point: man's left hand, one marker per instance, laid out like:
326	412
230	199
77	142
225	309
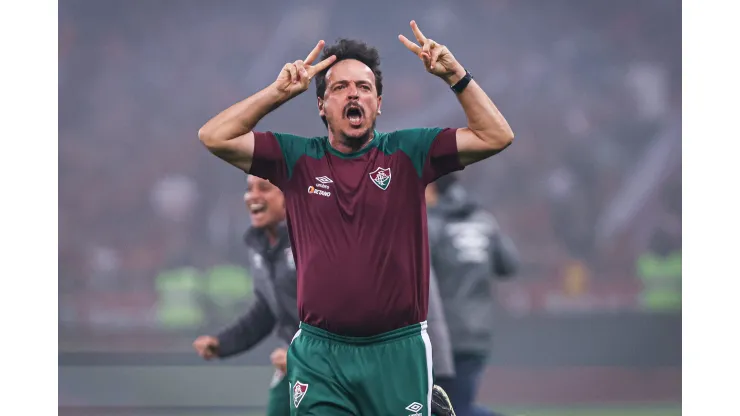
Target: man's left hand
279	359
437	59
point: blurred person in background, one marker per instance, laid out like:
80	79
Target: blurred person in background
272	267
359	237
467	251
275	306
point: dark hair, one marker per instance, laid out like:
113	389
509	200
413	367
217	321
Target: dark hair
350	49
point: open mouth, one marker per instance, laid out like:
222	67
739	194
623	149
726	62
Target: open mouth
354	115
257	208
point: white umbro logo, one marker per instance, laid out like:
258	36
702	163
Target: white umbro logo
414	407
324	179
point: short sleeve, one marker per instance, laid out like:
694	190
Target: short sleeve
442	157
275	155
433	151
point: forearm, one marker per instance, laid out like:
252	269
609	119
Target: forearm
484	118
242	117
247	331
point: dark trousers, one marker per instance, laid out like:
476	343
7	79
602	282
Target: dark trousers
463	388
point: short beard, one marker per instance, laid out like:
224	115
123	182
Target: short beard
355	142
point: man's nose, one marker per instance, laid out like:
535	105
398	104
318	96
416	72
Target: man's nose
352	92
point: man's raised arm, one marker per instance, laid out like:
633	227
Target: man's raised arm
229	135
488	132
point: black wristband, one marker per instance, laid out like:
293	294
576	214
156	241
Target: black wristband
463	83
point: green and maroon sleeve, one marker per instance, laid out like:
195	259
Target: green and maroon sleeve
433	151
442	157
275	155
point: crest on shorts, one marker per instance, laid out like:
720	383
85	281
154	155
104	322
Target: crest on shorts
299	392
381	177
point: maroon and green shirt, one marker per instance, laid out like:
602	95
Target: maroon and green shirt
357	224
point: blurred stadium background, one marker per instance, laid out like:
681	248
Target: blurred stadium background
150	224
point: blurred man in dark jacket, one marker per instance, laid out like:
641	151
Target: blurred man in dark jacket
467	251
274	309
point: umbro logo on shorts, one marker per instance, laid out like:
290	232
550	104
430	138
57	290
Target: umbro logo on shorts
414	408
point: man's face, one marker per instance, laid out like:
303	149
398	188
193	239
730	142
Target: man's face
264	201
351	102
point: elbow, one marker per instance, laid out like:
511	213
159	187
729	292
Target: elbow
500	142
206	136
506	142
497	140
505	139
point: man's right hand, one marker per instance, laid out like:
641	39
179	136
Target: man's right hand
206	346
296	77
229	134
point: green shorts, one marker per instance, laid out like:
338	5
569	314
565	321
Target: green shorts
386	374
278	402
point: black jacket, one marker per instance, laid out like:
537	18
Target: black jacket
274	307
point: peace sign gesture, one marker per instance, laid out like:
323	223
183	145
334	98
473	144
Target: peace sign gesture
438	60
295	77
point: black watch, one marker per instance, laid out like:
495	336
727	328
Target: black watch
463	83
